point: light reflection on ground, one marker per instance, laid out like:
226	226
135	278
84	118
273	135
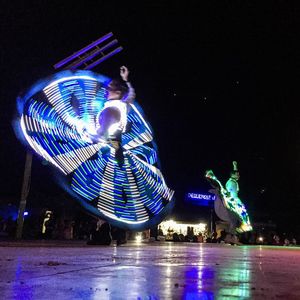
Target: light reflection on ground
149	271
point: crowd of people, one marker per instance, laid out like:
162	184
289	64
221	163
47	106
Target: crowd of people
50	227
98	232
225	237
95	231
254	238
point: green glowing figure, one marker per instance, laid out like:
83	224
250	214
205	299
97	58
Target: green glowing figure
237	214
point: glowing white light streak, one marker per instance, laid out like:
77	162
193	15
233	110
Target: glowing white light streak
38	149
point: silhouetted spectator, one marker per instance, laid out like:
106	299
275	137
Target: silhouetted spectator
221	238
214	237
190	234
11	226
175	237
200	238
181	237
119	235
160	232
68	229
101	235
276	239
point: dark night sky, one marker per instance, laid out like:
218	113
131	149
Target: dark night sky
217	82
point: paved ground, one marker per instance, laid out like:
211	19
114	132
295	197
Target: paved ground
158	270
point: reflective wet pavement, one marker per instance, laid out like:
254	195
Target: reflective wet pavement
157	270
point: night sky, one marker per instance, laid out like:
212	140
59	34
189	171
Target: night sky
217	82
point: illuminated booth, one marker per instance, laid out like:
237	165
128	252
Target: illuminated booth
169	227
195	219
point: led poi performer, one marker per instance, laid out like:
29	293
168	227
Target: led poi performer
228	205
90	129
112	120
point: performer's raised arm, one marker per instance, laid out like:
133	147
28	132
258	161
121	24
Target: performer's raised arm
124	73
232	185
235	167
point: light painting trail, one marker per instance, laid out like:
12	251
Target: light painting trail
57	118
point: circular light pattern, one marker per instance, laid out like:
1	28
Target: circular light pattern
58	117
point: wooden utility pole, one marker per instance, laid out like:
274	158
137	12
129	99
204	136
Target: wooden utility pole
24	194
